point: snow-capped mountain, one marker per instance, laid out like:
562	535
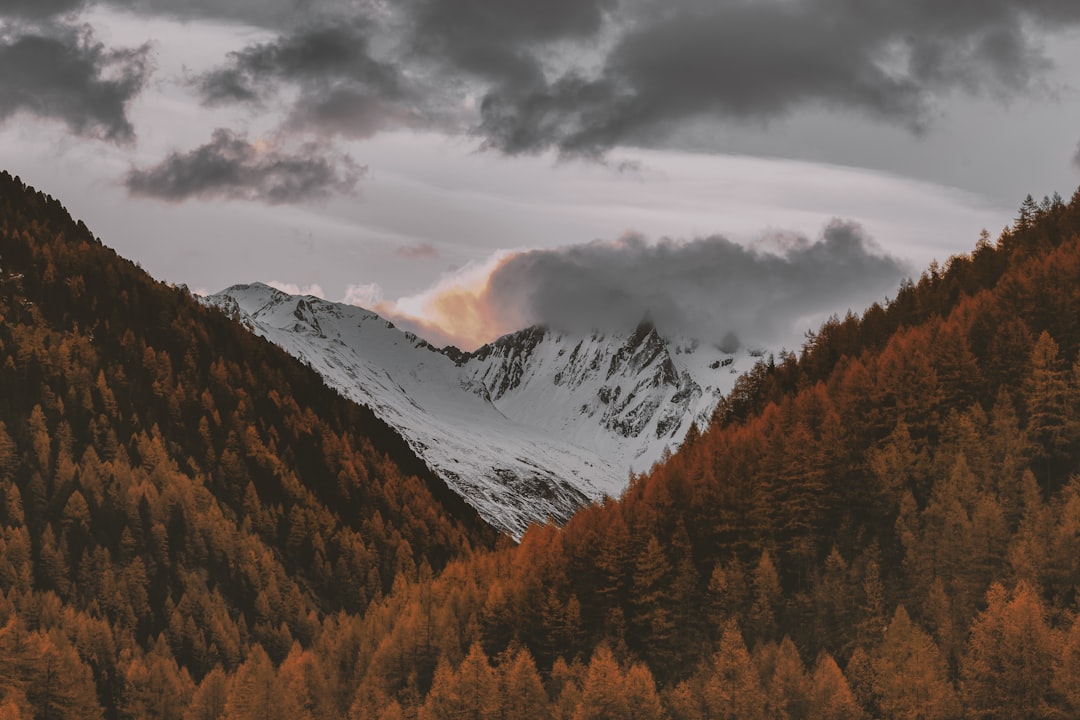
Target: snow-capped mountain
529	427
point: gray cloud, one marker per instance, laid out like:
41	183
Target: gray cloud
262	13
435	54
343	88
311	53
755	61
497	39
1076	157
636	71
38	9
232	168
710	288
60	72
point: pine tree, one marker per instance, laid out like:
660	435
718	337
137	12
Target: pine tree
469	693
766	594
209	699
641	698
1046	401
254	693
1008	669
1067	669
521	693
831	697
61	685
789	687
603	693
860	677
1028	214
910	676
652	621
732	689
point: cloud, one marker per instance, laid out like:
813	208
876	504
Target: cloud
343	88
457	310
365	295
309	53
583	76
294	289
498	40
1076	157
229	167
259	13
709	288
755	61
38	9
419	251
62	73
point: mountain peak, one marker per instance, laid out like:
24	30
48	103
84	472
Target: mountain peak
527	427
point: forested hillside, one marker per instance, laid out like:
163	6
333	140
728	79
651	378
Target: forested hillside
177	496
886	525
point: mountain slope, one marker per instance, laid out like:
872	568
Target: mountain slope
527	428
173	490
898	504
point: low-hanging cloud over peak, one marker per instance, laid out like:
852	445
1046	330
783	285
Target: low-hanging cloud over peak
710	288
231	167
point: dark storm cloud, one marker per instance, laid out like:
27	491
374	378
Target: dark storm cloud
753	61
343	89
637	71
262	13
38	8
62	73
311	53
441	51
710	288
496	39
230	167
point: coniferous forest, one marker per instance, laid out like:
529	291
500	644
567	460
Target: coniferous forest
885	524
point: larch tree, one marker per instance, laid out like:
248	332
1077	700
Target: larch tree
468	693
521	692
1067	669
789	688
652	621
1045	394
831	697
910	676
1008	669
732	689
639	691
603	693
766	593
254	693
208	700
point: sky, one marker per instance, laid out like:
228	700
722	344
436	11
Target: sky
736	170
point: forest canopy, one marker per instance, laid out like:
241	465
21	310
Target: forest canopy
886	524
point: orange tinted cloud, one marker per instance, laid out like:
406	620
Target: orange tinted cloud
460	310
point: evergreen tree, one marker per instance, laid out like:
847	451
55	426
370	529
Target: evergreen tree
831	697
1008	669
910	676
